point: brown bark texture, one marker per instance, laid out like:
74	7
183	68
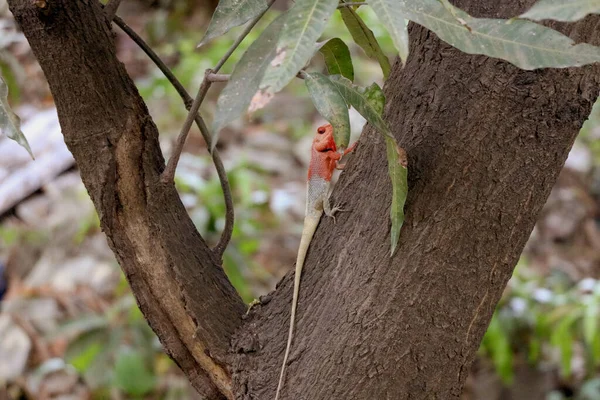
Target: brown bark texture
485	140
176	279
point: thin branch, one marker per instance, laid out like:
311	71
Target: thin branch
187	100
218	77
110	9
342	5
168	174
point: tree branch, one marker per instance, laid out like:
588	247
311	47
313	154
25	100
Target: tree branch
187	100
169	173
178	282
110	9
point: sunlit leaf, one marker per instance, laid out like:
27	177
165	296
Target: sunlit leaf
562	10
246	77
305	23
523	43
337	58
131	373
331	105
10	124
392	18
232	13
396	156
365	38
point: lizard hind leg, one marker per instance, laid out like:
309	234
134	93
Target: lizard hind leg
331	211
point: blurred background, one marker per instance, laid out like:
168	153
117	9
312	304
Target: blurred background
69	326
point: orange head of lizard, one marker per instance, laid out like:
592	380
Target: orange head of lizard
323	141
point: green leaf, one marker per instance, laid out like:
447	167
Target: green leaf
397	169
10	124
496	342
396	156
590	321
562	10
354	96
563	339
523	43
375	96
393	19
84	350
131	374
337	58
232	13
305	23
246	77
331	105
365	38
92	355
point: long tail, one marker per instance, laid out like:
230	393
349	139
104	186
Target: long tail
310	225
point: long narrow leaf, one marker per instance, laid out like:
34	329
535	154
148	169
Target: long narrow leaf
561	10
304	25
365	38
337	58
393	19
398	171
232	13
331	105
246	77
396	156
10	124
523	43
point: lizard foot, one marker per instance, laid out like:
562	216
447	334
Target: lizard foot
335	209
252	304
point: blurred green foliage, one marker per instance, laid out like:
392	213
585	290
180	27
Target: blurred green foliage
545	320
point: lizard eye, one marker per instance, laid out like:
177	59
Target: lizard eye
321	130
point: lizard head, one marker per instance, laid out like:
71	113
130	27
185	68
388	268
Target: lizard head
323	141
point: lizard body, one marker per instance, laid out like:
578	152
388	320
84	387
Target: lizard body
324	159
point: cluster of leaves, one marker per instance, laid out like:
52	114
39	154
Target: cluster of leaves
545	320
280	53
287	45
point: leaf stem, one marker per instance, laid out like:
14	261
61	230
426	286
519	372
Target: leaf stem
361	3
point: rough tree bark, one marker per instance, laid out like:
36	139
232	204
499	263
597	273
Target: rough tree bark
485	140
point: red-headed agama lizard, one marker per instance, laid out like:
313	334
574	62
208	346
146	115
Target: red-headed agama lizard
324	159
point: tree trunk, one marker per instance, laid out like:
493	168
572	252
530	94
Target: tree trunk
485	140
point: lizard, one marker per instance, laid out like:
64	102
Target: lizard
324	159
